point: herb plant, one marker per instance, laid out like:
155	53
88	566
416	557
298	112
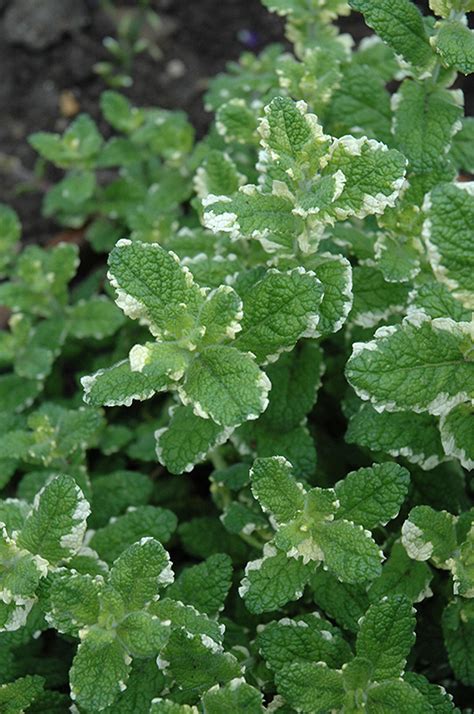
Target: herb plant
235	463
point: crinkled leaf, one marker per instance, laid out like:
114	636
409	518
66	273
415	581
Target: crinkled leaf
420	365
233	697
306	685
429	534
55	527
140	572
402	576
454	42
205	585
457	434
386	636
349	551
276	489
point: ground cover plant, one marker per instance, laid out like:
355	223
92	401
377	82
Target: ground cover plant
235	460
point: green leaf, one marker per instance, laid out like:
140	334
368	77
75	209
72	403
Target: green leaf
335	274
454	42
435	300
457	434
438	697
370	175
372	496
462	149
449	212
420	365
119	385
187	439
225	385
218	175
375	299
402	576
413	436
400	24
205	586
140	572
142	634
309	638
17	696
10	232
73	601
278	310
349	551
386	636
97	317
137	523
118	111
395	696
295	378
197	664
235	121
276	489
425	120
253	214
343	602
220	315
145	682
458	632
233	697
306	685
99	670
114	492
188	618
78	146
167	706
272	581
55	527
153	288
429	534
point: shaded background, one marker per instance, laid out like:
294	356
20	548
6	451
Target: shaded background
48	49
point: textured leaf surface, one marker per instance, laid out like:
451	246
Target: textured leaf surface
226	385
414	436
272	581
280	309
372	495
457	434
276	489
447	234
455	43
205	586
56	524
386	636
140	572
419	365
233	697
303	684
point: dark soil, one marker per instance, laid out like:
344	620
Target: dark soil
36	83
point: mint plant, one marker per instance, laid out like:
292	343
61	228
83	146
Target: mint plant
234	460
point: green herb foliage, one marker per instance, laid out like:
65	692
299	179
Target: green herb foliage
234	460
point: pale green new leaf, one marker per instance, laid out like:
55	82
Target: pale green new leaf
272	581
386	636
276	489
447	231
140	572
278	310
457	434
413	436
372	496
225	385
99	670
454	42
55	527
420	365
